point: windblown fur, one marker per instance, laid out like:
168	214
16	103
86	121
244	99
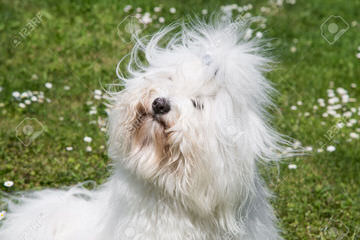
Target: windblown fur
189	174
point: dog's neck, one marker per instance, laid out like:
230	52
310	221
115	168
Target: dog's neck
139	201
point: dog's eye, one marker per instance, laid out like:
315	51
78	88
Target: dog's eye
197	104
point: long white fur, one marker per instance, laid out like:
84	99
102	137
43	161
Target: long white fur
213	190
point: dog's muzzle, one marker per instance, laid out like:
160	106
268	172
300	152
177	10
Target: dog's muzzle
161	106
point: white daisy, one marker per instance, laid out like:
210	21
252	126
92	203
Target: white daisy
172	10
22	105
335	107
88	149
67	88
35	77
331	112
293	108
87	139
265	9
292	166
2	215
347	114
161	20
352	121
69	149
259	34
92	112
146	19
341	91
345	98
127	8
308	148
48	85
333	100
292	2
16	94
330	148
8	183
354	135
24	95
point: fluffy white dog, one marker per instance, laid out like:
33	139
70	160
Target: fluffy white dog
185	134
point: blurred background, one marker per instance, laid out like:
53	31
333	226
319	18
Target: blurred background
57	57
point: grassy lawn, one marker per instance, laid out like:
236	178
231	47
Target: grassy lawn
62	51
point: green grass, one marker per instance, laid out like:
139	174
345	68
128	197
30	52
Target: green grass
79	43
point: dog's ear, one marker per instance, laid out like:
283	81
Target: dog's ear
239	65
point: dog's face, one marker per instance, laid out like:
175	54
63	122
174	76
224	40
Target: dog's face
191	124
164	126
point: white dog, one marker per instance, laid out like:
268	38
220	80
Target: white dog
185	134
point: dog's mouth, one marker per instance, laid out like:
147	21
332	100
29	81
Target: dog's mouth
150	129
148	122
143	116
158	119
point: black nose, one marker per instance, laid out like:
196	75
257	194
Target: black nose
161	106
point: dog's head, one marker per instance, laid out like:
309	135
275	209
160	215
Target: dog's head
191	121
